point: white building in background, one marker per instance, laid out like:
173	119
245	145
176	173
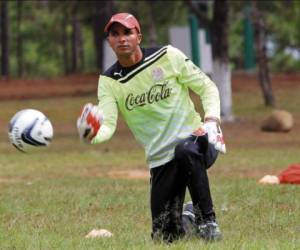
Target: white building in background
109	57
180	38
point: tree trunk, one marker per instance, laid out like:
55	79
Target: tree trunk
222	77
74	55
221	71
65	42
98	40
4	40
80	48
104	10
19	38
261	54
151	25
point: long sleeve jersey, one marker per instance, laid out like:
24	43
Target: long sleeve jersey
153	97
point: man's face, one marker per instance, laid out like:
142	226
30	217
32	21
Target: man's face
123	41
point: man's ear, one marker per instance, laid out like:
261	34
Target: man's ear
140	36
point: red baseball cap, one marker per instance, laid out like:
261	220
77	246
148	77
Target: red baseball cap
126	19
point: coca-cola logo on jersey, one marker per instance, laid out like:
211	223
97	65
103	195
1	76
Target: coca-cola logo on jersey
156	93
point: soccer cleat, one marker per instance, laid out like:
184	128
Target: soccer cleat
188	208
188	219
210	231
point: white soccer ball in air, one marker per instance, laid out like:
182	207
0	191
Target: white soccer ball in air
29	129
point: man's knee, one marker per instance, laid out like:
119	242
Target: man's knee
189	157
184	149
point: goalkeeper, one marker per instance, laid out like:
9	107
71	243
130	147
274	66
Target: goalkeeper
150	87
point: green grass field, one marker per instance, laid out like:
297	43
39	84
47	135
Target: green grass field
52	198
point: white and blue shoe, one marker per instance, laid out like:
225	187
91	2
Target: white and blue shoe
208	230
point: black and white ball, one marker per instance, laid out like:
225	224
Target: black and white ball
29	129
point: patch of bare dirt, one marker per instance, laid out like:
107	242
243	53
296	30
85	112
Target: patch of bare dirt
10	180
249	82
72	85
129	174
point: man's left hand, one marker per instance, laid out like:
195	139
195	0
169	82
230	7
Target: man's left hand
215	135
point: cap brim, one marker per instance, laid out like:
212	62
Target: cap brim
124	23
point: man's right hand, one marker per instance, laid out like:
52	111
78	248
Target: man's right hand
89	122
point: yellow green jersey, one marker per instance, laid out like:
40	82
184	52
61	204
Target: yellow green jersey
153	97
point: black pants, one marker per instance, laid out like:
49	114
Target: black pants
193	156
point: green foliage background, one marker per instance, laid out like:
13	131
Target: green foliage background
41	30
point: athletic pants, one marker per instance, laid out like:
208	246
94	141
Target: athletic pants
193	156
